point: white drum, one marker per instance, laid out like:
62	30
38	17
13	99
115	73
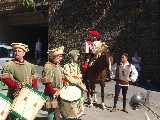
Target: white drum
71	102
5	106
28	103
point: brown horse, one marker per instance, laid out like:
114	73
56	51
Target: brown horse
96	73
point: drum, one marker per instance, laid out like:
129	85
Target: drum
5	106
27	104
71	102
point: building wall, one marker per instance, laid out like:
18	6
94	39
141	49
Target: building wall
126	26
7	33
3	28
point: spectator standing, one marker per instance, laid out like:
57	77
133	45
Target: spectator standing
136	61
38	51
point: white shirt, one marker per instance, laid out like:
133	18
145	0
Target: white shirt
134	73
137	59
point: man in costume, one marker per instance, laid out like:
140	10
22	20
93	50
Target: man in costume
52	78
18	72
123	72
88	48
72	68
38	50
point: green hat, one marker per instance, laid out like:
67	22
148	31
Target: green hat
73	53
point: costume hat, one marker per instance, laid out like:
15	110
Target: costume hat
56	51
20	45
73	53
94	33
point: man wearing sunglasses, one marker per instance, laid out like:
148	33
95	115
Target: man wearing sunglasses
123	73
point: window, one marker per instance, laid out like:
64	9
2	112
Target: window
6	53
10	53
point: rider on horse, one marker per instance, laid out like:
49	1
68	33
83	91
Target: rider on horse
92	69
88	48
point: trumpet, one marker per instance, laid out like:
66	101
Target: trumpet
71	79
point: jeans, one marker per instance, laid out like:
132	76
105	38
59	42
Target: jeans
37	55
53	114
124	93
139	77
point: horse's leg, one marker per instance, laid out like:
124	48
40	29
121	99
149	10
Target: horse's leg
88	88
95	96
91	93
102	96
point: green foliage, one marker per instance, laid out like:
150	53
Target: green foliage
28	3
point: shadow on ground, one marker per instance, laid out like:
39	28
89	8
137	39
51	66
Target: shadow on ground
148	86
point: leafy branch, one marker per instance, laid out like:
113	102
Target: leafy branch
28	3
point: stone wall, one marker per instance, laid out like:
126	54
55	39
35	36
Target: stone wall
126	26
3	28
8	34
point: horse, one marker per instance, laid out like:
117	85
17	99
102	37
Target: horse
96	73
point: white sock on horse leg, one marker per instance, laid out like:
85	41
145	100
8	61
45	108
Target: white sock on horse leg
95	98
91	100
91	103
103	106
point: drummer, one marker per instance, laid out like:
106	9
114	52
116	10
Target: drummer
18	72
53	81
72	68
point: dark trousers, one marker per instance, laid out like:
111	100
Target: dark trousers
11	117
37	55
124	93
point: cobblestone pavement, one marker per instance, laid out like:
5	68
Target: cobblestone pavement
96	113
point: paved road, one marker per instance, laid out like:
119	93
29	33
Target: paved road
96	113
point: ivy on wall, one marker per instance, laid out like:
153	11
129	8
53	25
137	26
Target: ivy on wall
28	3
126	26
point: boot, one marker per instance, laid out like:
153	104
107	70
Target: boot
124	110
113	110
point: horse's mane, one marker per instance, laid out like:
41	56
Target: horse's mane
100	63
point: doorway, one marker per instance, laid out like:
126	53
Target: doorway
29	34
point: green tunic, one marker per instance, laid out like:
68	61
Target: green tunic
73	69
52	74
21	72
76	77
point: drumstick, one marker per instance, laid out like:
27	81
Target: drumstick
60	91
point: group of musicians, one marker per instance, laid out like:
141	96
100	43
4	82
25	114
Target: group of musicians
18	72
